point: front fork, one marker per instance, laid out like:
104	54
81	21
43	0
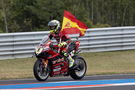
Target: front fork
44	62
44	67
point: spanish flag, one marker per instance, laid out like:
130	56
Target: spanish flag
71	25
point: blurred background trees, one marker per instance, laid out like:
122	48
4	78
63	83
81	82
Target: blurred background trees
33	15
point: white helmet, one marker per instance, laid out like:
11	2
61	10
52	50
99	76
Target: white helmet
54	25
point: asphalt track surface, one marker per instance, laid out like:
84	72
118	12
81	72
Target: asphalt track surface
129	78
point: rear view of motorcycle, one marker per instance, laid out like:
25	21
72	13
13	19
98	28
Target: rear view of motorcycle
51	63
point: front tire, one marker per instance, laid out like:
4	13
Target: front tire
80	70
41	72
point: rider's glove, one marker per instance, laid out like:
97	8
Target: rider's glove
62	44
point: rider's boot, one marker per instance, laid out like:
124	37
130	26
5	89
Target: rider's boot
71	60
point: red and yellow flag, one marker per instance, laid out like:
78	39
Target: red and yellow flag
71	25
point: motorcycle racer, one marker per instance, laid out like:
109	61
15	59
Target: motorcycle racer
63	41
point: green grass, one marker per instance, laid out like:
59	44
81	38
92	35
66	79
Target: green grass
17	68
117	62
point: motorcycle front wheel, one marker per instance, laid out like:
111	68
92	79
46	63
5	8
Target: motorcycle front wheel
41	72
80	70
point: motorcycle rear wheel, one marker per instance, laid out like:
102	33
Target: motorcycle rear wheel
80	71
41	72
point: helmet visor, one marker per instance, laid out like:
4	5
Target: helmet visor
52	27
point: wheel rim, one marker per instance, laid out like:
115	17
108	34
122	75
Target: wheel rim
81	68
42	71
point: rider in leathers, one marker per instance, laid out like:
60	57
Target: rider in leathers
62	41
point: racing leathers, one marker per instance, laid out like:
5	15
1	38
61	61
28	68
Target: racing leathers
63	41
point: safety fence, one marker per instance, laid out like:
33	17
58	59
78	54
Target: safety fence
20	45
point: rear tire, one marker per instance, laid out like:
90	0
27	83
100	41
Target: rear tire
40	72
79	72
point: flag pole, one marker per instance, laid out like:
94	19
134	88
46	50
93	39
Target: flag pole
60	35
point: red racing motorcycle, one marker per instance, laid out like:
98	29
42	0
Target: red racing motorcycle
51	63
